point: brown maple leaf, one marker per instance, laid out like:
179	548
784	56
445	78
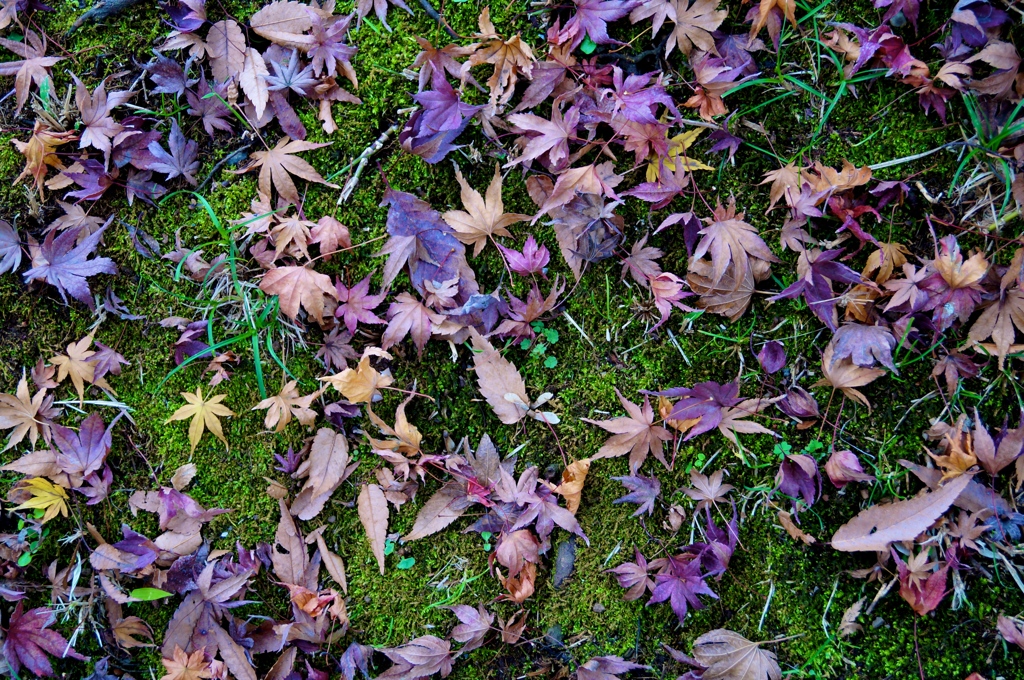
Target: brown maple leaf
783	179
40	152
277	165
285	404
79	366
846	376
182	666
997	322
23	414
730	240
694	24
707	490
634	433
882	261
33	67
408	315
764	14
292	234
299	285
484	217
511	58
99	128
360	384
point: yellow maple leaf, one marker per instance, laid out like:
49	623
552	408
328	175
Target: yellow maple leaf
677	147
45	496
205	414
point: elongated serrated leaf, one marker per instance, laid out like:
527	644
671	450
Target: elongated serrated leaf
373	513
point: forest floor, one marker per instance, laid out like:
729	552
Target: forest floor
774	586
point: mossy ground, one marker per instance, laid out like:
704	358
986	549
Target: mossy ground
773	587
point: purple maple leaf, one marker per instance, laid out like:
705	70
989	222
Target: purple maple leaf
131	145
290	74
94	180
183	159
84	452
909	8
289	462
704	400
29	640
168	75
591	19
186	17
642	491
532	260
328	50
817	270
141	185
605	668
636	99
106	360
66	266
680	584
431	131
211	109
634	577
356	305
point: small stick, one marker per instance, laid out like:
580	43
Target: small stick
362	160
433	14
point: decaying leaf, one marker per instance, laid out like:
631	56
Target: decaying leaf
878	526
730	656
373	513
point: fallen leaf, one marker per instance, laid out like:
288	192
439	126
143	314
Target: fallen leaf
794	531
484	217
44	495
878	526
730	656
285	404
499	381
362	383
205	414
634	433
299	285
277	165
373	513
573	479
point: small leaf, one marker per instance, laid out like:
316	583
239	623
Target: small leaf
588	46
148	594
407	563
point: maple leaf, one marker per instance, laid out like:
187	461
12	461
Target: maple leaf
783	180
541	136
511	58
591	20
33	67
182	666
94	109
764	17
640	264
998	321
205	414
681	582
29	640
484	217
533	259
431	60
408	315
337	349
63	263
634	576
422	239
183	160
380	7
419	658
211	109
291	234
79	365
328	51
84	452
865	345
443	116
473	627
715	76
573	478
635	433
24	415
643	491
730	240
1011	630
845	375
361	384
168	75
882	261
331	235
606	668
816	270
42	495
40	152
299	285
285	404
290	75
706	490
730	656
356	305
277	165
694	23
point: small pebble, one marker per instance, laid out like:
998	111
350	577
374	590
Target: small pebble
878	622
598	608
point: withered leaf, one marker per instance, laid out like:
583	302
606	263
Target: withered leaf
878	526
730	656
634	433
484	217
277	165
373	513
499	381
296	286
